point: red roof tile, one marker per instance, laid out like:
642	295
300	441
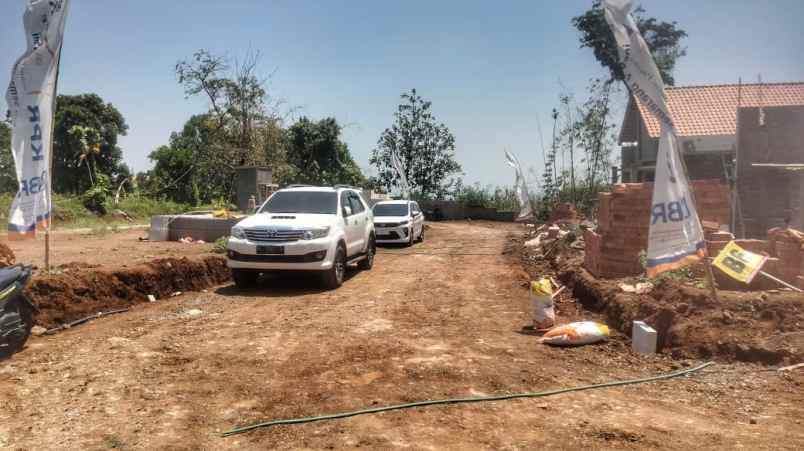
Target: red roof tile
712	110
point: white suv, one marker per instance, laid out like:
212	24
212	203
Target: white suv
398	221
304	228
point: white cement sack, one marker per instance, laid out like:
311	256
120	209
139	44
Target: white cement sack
574	334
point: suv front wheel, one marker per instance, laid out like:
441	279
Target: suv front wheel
333	277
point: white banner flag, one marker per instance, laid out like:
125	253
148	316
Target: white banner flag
676	237
400	171
520	186
30	99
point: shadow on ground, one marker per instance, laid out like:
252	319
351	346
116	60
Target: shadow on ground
283	284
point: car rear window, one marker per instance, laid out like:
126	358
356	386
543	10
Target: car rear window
391	210
314	202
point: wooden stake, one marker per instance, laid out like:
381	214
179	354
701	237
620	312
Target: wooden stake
782	282
711	278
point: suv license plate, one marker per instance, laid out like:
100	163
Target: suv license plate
271	250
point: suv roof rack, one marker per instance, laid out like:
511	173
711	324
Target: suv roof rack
298	185
344	186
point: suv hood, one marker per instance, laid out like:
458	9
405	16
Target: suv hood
301	221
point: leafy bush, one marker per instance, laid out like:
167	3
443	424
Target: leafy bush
585	199
500	198
219	247
142	207
70	211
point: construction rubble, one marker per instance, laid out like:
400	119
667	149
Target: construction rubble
606	281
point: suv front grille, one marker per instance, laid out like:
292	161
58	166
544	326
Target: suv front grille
269	235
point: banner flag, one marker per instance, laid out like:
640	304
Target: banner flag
400	171
738	263
676	237
520	186
30	98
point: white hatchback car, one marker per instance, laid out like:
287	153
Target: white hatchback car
398	221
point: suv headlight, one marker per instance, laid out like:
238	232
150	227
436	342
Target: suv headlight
403	223
239	233
313	234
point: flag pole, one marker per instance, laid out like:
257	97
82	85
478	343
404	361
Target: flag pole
710	275
50	159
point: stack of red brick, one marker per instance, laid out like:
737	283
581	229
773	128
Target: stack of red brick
788	246
624	219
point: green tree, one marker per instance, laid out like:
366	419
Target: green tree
8	173
318	156
425	148
663	39
240	107
188	169
243	126
79	118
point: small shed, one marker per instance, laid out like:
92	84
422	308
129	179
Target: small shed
253	181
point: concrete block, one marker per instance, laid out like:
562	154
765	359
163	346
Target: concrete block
160	228
643	338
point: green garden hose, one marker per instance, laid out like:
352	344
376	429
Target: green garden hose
243	429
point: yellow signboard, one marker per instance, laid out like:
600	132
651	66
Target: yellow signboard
738	263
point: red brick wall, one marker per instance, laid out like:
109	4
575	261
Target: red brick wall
623	222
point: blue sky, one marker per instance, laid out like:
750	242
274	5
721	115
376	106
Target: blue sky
493	70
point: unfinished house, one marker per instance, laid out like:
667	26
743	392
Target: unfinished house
770	153
706	123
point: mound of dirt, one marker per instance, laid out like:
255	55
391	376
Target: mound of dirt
762	327
7	257
72	295
746	327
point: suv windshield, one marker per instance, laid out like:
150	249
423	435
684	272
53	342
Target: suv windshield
315	202
391	210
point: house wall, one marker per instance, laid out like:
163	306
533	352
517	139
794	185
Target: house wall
248	181
769	195
704	159
637	161
648	147
703	166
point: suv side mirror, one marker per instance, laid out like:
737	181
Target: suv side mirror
347	211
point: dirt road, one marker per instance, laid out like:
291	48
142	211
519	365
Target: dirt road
109	250
175	374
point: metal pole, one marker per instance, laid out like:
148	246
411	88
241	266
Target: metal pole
50	158
735	187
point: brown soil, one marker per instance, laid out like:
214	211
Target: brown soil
765	327
7	257
111	250
176	373
78	291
